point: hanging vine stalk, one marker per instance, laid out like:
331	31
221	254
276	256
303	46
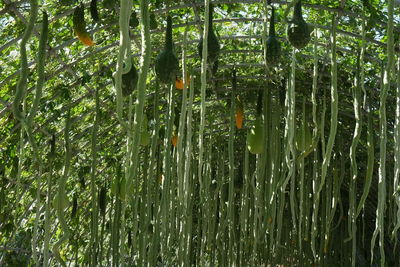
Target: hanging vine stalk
380	211
203	89
61	197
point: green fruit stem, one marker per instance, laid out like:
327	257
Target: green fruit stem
168	35
272	23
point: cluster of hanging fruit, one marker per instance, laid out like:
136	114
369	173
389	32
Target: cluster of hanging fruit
167	64
298	32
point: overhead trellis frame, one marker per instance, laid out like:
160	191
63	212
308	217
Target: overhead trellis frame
199	162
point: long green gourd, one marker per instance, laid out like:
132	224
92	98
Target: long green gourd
396	180
93	188
47	216
153	184
41	55
21	85
167	172
290	152
314	116
19	99
41	61
362	55
231	164
380	211
181	159
123	55
370	162
301	174
61	197
276	144
354	169
333	126
203	91
315	137
181	130
283	176
361	84
188	184
139	105
153	172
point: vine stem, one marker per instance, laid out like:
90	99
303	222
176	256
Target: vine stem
203	90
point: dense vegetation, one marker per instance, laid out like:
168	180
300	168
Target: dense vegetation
204	133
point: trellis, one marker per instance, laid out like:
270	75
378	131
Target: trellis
194	167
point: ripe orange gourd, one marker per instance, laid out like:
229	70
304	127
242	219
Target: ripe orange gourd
179	83
79	26
174	140
239	115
